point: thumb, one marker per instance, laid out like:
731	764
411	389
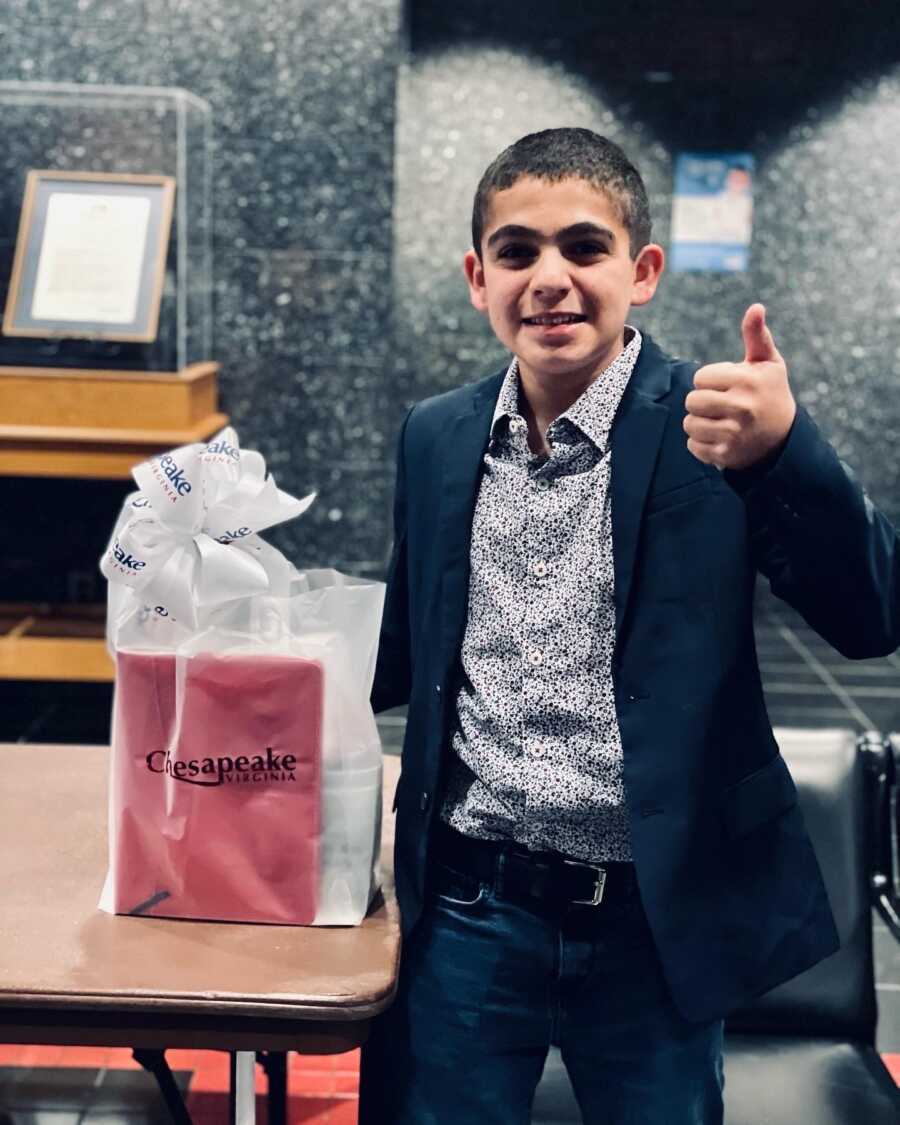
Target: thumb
759	347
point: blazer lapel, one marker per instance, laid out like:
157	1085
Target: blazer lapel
635	440
465	441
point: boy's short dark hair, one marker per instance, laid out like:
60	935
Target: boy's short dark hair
562	154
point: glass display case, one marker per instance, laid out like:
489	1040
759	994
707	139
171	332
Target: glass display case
116	130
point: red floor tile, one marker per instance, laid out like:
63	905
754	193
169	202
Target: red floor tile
297	1062
90	1058
312	1082
322	1111
212	1109
346	1083
121	1058
343	1113
29	1055
308	1075
9	1055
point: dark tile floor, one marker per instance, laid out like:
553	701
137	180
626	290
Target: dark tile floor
808	684
82	1096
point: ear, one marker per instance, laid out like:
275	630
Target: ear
648	268
474	271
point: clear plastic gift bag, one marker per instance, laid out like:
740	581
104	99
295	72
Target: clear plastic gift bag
246	763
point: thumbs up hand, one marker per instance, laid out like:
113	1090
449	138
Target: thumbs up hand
739	413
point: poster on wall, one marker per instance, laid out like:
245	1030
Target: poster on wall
90	256
712	212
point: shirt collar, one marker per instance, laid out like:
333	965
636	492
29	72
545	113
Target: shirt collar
594	410
508	399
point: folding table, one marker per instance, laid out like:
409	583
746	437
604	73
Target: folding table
70	974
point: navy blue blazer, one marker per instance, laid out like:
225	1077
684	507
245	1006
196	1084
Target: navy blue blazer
726	871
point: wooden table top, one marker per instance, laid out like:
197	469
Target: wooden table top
66	961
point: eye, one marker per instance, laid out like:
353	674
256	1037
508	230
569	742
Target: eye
513	251
588	248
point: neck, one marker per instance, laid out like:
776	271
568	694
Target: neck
543	397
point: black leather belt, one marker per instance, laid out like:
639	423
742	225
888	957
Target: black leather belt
533	878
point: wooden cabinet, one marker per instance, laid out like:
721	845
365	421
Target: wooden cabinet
45	642
94	425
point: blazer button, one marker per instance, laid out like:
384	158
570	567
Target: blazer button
424	801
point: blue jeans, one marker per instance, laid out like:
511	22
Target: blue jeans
486	985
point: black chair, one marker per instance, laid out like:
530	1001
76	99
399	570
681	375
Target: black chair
804	1054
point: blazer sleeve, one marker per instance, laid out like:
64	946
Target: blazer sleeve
392	682
823	545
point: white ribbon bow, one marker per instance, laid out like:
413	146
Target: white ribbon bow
188	539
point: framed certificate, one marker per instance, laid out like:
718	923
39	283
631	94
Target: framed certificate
90	256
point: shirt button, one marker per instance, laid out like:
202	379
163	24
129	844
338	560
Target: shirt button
540	568
535	656
542	483
539	750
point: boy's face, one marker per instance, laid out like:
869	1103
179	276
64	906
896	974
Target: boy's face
556	279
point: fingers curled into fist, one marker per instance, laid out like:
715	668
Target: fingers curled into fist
740	413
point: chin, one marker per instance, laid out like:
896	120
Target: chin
559	360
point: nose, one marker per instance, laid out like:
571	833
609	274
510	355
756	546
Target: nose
550	280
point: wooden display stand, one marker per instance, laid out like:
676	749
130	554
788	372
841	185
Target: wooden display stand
44	642
61	423
99	424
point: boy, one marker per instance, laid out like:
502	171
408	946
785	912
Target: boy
597	841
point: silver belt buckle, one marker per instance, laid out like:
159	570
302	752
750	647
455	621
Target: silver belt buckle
599	883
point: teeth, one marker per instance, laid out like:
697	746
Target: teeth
569	318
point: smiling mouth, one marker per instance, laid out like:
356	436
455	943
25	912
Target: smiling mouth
550	320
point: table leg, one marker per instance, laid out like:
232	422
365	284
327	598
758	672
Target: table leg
274	1063
155	1062
242	1095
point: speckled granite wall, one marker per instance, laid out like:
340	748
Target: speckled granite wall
303	99
320	353
338	290
814	96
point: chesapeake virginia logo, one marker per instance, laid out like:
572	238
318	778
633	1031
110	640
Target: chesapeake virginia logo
171	476
230	536
124	561
222	451
271	766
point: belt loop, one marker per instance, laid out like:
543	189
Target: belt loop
500	873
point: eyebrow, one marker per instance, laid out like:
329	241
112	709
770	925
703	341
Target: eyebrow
577	230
